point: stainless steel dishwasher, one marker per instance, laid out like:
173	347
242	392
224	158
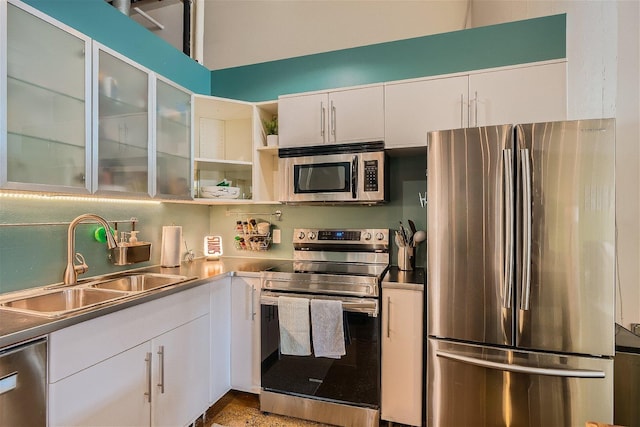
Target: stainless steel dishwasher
23	380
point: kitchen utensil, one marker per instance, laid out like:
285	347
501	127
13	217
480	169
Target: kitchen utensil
405	236
412	226
419	236
400	240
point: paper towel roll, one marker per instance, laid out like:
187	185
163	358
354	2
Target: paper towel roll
171	244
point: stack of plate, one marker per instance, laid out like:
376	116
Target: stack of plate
219	192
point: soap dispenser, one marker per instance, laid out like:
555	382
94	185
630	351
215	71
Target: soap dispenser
133	238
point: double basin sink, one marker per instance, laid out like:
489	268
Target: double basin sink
61	301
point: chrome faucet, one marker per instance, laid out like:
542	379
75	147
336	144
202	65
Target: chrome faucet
72	270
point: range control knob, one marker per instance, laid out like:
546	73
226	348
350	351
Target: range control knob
301	235
312	235
367	236
380	236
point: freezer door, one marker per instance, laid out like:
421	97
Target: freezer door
480	386
470	234
565	264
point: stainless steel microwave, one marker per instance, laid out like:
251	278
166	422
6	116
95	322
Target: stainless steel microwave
334	174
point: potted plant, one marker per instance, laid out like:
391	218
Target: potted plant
271	128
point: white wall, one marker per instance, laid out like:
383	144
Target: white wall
241	32
603	47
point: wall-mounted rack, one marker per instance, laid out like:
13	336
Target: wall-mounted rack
277	214
131	221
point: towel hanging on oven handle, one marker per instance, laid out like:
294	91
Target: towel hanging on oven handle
355	305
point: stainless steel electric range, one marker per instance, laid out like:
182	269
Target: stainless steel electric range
329	264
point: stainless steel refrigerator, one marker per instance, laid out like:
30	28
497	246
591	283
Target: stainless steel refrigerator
521	274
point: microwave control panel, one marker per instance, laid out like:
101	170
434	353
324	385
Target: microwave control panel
370	175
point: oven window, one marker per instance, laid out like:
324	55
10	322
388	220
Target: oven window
352	379
322	178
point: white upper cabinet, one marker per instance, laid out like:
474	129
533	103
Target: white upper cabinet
44	114
416	107
122	124
530	94
230	144
174	141
524	94
302	120
340	116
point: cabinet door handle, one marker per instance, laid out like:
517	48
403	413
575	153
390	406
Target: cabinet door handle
388	317
322	120
333	120
475	102
253	303
147	393
161	363
462	110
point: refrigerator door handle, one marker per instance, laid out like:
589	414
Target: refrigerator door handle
577	373
507	169
525	165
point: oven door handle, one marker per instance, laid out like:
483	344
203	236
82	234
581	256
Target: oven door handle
353	305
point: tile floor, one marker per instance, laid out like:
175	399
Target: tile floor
237	409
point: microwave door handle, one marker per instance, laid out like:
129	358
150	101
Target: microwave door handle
354	177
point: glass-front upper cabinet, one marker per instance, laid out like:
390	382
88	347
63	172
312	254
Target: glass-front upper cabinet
45	123
122	124
174	154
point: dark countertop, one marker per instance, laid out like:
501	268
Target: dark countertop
18	327
400	279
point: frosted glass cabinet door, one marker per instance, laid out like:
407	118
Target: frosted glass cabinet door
173	141
123	124
47	113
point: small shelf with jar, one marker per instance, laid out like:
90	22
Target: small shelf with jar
252	235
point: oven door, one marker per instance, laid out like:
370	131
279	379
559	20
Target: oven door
353	379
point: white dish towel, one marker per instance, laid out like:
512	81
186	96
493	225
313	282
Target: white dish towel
293	318
327	326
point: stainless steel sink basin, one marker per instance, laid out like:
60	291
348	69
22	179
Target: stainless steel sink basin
63	301
139	282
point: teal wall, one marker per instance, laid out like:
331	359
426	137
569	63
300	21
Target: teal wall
518	42
407	179
105	24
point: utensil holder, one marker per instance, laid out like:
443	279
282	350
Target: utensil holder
406	261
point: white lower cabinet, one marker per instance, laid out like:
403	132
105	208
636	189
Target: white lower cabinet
145	365
402	356
245	334
110	393
180	378
220	381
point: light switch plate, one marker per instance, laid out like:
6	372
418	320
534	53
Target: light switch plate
276	235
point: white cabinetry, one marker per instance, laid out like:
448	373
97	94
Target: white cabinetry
532	94
145	365
123	126
45	110
402	342
525	94
340	116
173	141
416	107
245	334
180	378
228	134
220	381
